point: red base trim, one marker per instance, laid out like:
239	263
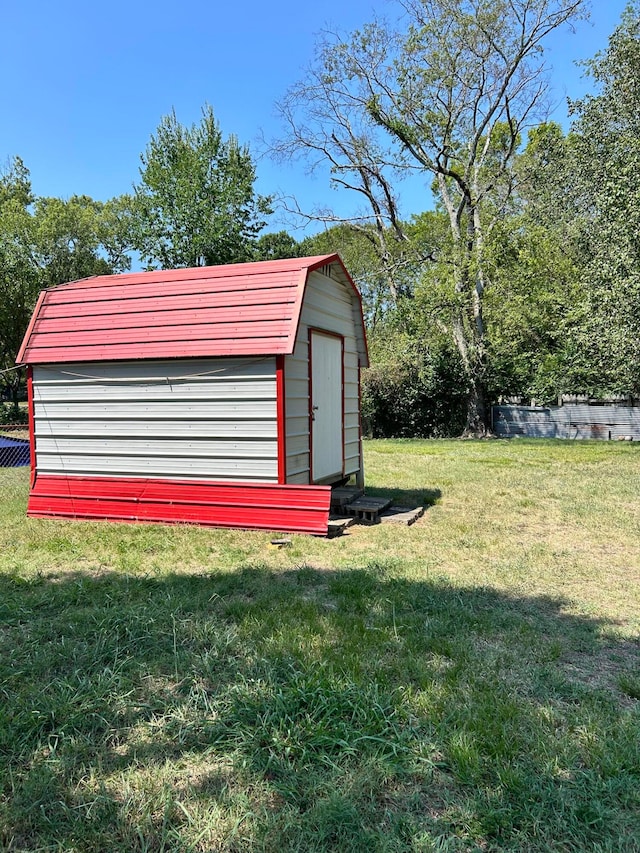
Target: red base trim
256	506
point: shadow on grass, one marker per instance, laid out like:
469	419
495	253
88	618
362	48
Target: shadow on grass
408	497
309	710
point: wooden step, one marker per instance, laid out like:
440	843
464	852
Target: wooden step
343	495
367	510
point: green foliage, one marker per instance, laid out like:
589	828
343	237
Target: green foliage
447	94
44	242
13	414
277	245
196	203
564	313
535	288
605	339
357	248
19	273
15	184
412	388
75	239
415	385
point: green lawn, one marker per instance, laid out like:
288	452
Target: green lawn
470	683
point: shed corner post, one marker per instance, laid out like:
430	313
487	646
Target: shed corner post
281	421
32	426
360	471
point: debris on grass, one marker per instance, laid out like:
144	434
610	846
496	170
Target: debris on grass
280	543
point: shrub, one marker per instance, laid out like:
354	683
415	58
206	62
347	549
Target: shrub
12	413
412	391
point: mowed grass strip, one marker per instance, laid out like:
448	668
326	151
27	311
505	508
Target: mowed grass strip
468	683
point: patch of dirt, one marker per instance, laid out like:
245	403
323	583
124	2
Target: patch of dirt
603	669
88	570
20	432
319	595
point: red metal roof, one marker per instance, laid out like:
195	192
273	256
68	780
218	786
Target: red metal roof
233	310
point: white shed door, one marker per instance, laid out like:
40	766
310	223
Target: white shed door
326	406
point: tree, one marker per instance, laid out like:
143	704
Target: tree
536	257
446	95
358	251
413	384
19	278
196	203
44	242
15	184
76	238
604	345
324	125
276	245
413	387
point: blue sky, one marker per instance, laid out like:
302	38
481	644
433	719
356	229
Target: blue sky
83	85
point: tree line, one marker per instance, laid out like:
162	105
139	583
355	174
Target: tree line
520	275
195	204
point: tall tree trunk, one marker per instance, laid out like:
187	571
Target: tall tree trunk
468	330
478	404
472	357
478	410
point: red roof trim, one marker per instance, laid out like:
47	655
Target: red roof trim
196	273
20	357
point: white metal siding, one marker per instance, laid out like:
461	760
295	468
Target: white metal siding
197	418
327	305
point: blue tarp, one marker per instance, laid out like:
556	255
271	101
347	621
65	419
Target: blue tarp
14	452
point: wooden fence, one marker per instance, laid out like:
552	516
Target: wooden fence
570	420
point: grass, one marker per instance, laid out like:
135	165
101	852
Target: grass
470	683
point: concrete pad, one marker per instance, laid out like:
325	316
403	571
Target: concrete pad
401	515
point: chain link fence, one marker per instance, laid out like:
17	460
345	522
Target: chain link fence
14	446
15	458
14	473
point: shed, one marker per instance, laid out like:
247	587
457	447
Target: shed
226	395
